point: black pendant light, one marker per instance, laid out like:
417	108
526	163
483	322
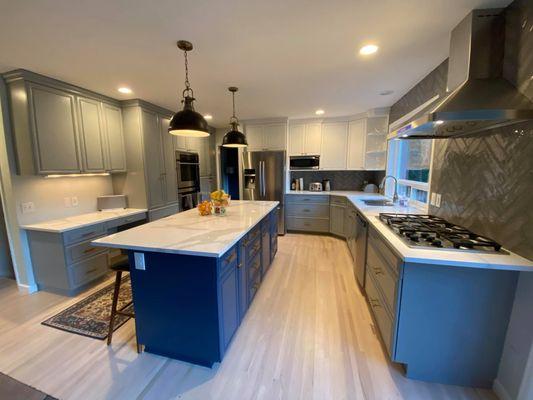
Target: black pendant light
187	122
234	138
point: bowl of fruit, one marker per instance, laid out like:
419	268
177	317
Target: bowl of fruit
220	201
205	208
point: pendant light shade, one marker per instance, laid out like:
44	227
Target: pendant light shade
188	122
234	138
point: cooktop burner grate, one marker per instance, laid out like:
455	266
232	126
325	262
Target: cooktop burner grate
431	231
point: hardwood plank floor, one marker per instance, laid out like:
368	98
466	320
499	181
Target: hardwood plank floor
307	335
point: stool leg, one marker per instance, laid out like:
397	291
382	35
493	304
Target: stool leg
114	306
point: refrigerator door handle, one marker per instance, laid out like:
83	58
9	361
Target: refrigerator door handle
263	178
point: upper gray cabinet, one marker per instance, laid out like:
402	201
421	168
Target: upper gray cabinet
53	122
62	129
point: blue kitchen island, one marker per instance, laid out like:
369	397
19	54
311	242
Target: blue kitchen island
194	277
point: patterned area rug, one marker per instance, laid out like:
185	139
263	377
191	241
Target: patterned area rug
90	316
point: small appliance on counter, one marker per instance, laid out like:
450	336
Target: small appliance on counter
111	201
370	188
326	185
315	187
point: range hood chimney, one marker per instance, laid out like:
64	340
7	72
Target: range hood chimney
479	97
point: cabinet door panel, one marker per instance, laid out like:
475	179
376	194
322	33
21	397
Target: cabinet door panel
181	143
54	127
356	144
153	159
313	139
275	136
170	180
296	139
336	220
91	135
254	137
116	153
230	305
334	140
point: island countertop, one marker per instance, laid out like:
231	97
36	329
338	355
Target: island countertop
191	234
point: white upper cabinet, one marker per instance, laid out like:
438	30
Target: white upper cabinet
305	139
266	136
376	142
356	144
334	144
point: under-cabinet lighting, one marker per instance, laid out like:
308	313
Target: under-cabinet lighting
75	175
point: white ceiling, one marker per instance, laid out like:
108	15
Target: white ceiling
288	57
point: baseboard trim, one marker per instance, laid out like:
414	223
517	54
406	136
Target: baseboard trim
27	288
500	391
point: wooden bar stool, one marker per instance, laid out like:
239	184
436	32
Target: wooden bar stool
119	267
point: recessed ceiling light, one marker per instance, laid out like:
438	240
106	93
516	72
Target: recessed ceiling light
368	49
439	122
386	92
319	112
208	117
125	90
405	135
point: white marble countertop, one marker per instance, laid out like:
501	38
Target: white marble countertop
505	260
189	233
82	220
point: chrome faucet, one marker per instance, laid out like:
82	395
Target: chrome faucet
382	187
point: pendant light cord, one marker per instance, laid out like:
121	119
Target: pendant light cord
187	84
233	119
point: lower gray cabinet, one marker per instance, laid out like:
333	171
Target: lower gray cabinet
309	213
66	262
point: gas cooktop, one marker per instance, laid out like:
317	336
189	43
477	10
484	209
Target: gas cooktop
433	232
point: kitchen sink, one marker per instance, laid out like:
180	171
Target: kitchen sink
377	202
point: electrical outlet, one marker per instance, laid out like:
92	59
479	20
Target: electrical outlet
28	207
74	201
67	201
437	200
432	199
139	261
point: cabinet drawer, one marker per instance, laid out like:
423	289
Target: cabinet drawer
253	285
381	315
384	278
88	270
308	224
253	248
82	234
254	269
228	260
252	235
308	210
337	200
82	250
313	198
384	251
125	220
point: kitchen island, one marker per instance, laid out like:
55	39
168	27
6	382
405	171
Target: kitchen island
193	277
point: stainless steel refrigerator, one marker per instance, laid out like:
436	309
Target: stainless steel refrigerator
264	179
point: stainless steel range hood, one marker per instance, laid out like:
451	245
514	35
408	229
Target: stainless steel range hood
479	97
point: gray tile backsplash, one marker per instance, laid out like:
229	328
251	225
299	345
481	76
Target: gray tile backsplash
340	180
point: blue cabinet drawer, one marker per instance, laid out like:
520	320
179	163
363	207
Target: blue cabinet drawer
312	198
254	269
253	248
228	260
252	235
308	210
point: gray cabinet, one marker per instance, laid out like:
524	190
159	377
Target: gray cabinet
308	213
62	129
67	262
114	149
337	211
54	130
150	181
91	135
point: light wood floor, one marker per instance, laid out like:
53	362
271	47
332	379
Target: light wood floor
307	335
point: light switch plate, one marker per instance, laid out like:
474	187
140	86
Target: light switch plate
139	261
67	201
27	207
437	199
432	199
74	201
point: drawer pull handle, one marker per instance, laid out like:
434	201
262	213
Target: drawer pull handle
88	234
306	210
90	271
374	302
255	286
90	250
378	271
239	265
307	224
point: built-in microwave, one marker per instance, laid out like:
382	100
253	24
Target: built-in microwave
304	162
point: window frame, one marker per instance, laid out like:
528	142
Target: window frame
394	164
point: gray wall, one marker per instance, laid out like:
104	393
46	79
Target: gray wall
340	180
486	184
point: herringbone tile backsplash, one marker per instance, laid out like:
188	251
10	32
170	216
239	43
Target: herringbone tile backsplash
340	180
